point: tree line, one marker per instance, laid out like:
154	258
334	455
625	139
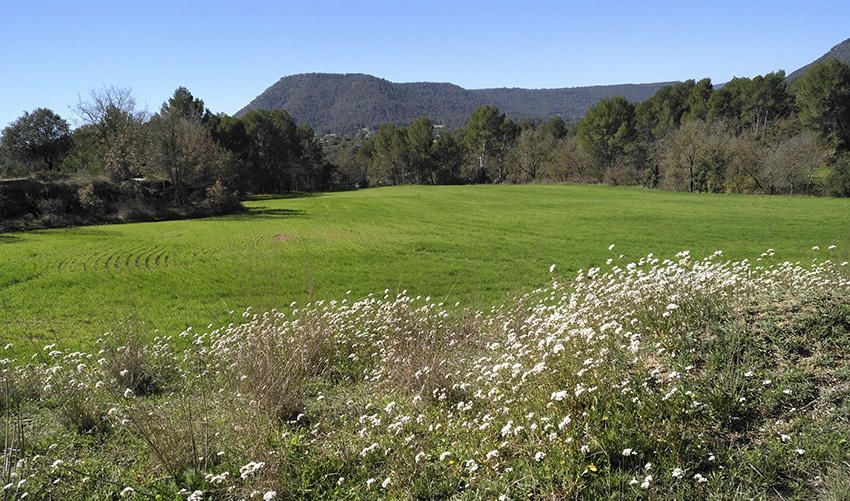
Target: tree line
750	135
183	143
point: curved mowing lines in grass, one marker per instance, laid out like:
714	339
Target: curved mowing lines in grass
69	263
158	260
139	256
149	258
96	262
130	261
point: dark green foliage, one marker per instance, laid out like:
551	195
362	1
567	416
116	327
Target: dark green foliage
42	138
390	158
608	130
838	180
555	127
663	112
281	155
823	97
420	139
751	104
489	135
448	154
185	105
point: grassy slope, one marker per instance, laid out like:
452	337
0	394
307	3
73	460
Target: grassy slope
472	243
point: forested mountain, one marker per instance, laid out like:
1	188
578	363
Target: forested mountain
345	103
840	52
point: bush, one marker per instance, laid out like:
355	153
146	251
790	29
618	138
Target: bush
838	181
219	199
89	200
132	364
48	207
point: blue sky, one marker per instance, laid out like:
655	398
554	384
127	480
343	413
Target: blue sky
227	52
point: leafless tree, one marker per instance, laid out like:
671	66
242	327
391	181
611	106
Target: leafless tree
119	124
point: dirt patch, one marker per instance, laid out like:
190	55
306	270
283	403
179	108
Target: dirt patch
282	238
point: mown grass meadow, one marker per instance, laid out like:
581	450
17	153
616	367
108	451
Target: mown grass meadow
474	244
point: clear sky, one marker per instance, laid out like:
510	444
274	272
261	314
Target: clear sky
227	52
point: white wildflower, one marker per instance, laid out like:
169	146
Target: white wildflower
250	468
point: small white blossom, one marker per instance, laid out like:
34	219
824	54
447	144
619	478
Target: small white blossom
250	468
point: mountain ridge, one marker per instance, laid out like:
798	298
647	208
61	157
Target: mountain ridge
840	51
346	102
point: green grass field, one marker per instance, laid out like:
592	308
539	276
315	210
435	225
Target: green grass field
476	244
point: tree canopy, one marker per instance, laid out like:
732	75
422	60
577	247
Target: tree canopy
41	137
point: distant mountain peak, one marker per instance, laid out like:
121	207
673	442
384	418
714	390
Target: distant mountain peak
347	102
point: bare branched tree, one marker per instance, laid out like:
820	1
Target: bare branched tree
112	112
